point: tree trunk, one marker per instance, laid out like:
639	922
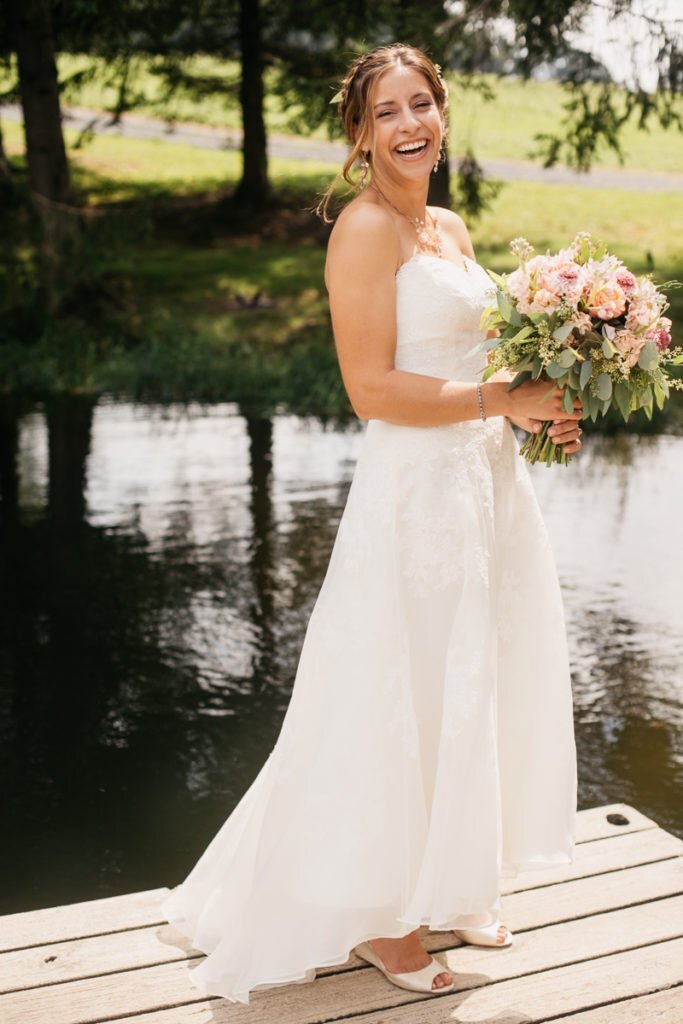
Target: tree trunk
5	169
9	474
48	169
253	189
69	426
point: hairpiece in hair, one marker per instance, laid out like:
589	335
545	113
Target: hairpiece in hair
346	82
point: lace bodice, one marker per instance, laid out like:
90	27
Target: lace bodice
438	309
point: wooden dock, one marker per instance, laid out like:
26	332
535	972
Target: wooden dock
599	942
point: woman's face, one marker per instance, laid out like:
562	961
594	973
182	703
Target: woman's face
405	128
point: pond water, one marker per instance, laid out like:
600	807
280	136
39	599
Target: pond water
159	569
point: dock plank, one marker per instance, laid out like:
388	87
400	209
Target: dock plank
136	910
148	947
76	920
657	1008
536	998
593	822
541	997
583	896
168	985
602	855
597	942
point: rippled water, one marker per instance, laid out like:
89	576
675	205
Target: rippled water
158	573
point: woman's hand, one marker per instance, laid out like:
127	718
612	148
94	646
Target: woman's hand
534	399
564	432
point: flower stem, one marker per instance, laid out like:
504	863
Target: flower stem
541	448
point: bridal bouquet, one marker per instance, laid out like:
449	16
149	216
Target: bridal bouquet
581	320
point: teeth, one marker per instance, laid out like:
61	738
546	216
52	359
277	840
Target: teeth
411	146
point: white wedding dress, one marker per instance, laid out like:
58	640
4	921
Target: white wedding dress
428	747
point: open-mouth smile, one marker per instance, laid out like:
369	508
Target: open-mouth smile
412	150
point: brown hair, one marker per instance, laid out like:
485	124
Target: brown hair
354	96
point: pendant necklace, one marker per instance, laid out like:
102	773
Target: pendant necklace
428	238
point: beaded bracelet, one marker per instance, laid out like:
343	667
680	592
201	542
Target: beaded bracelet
481	402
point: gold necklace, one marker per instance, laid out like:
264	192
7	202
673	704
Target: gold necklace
427	237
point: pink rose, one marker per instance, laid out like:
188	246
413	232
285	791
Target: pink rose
629	346
661	334
582	322
626	281
641	314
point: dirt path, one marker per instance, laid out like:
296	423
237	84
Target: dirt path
298	148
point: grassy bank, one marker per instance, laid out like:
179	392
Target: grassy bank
204	311
503	128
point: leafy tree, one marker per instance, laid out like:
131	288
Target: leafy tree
311	44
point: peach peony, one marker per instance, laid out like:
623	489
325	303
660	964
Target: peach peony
544	301
607	302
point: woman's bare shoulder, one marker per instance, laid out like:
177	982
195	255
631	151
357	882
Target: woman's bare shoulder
455	227
363	234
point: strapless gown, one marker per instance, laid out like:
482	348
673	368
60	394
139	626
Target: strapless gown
428	747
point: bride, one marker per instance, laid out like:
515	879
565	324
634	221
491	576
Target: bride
428	746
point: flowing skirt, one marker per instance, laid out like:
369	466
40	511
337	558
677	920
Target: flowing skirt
428	747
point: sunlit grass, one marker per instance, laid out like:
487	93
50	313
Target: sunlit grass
180	328
503	129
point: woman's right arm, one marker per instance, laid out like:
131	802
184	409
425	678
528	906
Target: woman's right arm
362	259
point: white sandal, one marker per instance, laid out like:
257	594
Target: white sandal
486	936
414	981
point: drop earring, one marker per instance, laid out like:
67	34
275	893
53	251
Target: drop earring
442	157
364	166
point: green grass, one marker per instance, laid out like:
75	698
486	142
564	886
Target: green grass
503	129
111	168
177	328
632	223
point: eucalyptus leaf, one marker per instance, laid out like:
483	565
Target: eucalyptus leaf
568	401
504	305
563	332
648	407
483	322
648	358
567	357
523	334
555	371
518	379
537	366
622	396
603	386
586	371
500	281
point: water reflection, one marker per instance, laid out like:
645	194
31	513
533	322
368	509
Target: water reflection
159	568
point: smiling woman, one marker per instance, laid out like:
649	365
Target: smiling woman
428	746
366	100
